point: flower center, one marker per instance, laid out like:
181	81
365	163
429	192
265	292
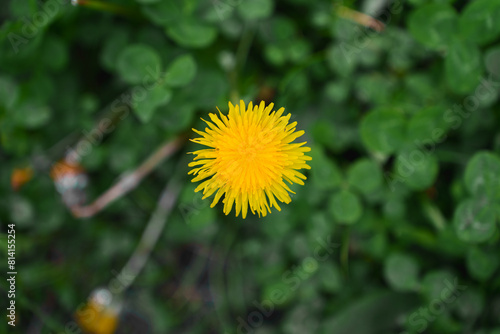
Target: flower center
249	162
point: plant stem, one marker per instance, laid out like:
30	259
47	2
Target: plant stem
128	182
241	58
434	214
151	233
244	47
344	251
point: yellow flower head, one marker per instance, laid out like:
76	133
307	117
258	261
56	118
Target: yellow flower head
250	155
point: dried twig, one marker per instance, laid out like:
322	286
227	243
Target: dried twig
358	17
128	182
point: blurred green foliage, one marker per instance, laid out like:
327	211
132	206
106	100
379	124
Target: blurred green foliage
396	229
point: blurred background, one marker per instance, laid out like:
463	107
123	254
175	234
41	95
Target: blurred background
395	230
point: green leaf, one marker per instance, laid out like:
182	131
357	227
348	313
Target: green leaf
337	91
139	64
481	175
298	50
54	53
3	241
146	104
342	58
9	92
221	11
148	1
255	9
275	54
394	207
15	141
401	272
21	8
203	219
382	130
278	293
372	318
181	71
474	221
330	277
323	133
178	116
163	12
122	159
294	320
206	89
435	282
192	33
481	265
22	211
88	103
479	21
345	207
433	25
417	3
471	304
492	61
320	225
31	115
416	168
463	67
324	172
421	85
365	176
113	45
375	89
427	127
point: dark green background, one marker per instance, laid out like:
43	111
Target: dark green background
403	126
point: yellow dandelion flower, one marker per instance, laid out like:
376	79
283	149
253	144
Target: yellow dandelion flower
250	155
